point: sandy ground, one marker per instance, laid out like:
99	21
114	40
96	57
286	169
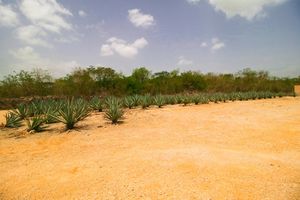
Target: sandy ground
236	150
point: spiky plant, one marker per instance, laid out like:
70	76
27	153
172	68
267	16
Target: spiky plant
196	99
136	100
72	112
114	111
36	124
12	120
186	100
96	104
129	102
159	101
204	99
170	99
179	99
51	116
22	111
145	101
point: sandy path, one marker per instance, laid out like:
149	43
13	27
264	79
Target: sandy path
239	150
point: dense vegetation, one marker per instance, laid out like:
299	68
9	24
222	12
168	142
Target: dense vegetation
102	81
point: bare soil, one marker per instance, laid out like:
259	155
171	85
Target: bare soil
235	150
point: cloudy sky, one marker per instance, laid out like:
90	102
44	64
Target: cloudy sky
203	35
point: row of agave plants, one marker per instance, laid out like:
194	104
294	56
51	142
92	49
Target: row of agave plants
38	114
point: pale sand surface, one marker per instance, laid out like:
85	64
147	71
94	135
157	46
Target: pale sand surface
235	150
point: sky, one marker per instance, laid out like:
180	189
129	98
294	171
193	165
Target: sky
221	36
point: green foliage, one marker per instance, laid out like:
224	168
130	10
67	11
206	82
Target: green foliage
186	100
170	99
22	111
145	101
114	111
12	120
136	100
129	102
96	104
95	81
36	124
196	99
72	112
159	100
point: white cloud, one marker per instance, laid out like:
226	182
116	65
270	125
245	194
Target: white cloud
32	35
27	56
216	44
182	61
8	17
139	19
81	13
123	48
203	44
47	14
249	9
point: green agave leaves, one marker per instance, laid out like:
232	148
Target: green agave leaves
36	124
129	102
22	111
12	120
72	112
159	101
96	104
114	111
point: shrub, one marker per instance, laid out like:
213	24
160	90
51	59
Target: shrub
114	111
12	120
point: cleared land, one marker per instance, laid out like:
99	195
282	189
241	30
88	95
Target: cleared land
236	150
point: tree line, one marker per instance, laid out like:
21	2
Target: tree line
105	81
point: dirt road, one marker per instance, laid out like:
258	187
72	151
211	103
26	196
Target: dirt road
237	150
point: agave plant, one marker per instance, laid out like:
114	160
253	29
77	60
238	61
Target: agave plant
186	100
72	112
114	111
129	102
12	120
159	101
170	99
136	100
145	101
179	99
96	104
196	99
36	124
22	111
204	100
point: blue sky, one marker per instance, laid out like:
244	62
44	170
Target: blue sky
203	35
